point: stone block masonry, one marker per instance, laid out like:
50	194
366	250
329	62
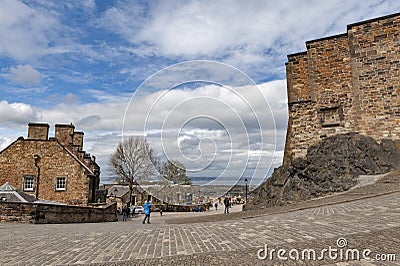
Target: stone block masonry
39	213
345	83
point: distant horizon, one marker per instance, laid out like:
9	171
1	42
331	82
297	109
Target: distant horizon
196	180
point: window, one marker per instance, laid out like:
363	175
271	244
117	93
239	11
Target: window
29	183
61	183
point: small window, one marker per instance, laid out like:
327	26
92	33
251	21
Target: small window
61	183
29	183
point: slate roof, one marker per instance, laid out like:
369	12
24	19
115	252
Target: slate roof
117	191
11	194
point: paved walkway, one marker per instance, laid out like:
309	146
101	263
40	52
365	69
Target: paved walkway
372	223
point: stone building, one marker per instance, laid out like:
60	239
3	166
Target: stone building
345	83
54	169
119	193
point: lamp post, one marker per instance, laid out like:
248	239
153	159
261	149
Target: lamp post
115	190
115	193
245	181
199	196
37	160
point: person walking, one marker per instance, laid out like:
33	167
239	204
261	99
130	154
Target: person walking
216	206
147	211
226	203
125	211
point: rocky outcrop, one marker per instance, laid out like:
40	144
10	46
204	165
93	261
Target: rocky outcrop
332	165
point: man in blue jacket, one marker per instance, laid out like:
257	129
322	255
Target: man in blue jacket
147	211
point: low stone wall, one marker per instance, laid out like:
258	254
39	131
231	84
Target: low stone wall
39	213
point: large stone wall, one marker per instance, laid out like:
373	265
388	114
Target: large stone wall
49	213
375	50
345	83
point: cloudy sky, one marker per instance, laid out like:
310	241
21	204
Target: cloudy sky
204	81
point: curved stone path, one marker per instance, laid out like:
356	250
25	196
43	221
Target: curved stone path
368	223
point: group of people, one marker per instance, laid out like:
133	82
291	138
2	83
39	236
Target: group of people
227	204
146	209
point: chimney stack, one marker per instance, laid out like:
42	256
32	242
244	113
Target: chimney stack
78	140
38	131
64	133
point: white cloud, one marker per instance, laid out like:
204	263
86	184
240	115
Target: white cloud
15	113
24	74
33	30
103	96
23	30
241	31
4	142
71	99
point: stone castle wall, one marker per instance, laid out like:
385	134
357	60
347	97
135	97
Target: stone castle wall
345	83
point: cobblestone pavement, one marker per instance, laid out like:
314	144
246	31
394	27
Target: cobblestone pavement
384	184
372	223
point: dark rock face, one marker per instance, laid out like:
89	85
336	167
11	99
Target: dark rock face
331	166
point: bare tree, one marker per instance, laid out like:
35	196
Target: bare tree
175	171
132	161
